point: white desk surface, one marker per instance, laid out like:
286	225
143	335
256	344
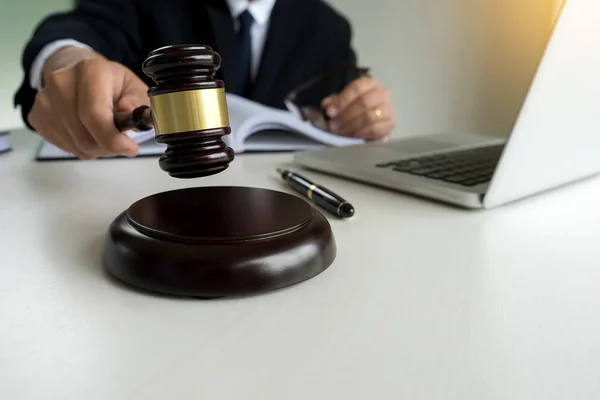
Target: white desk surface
424	301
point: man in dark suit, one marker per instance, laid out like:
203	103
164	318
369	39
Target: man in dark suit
82	65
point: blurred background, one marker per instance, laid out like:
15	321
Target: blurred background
452	65
17	21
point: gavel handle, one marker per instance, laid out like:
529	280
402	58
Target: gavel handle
139	119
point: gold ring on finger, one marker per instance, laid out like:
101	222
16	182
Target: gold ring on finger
378	114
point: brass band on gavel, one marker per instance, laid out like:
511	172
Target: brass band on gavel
190	110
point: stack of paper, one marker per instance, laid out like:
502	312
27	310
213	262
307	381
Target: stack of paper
4	145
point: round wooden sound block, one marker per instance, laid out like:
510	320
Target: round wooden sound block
218	241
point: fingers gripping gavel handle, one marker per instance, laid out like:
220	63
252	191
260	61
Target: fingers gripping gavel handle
139	119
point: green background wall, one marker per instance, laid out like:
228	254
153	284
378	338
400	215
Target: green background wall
17	20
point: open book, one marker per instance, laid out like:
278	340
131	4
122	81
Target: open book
4	144
254	127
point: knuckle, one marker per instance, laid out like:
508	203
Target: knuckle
41	101
32	118
391	116
91	66
368	83
52	80
90	116
370	118
387	94
39	96
356	85
86	117
60	86
40	107
382	95
85	145
85	65
57	80
365	102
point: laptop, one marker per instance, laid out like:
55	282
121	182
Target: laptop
555	139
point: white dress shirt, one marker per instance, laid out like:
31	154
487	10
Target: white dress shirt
259	9
261	13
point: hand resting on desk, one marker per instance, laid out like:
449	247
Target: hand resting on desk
75	108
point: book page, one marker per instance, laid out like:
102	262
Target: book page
273	140
247	117
4	144
243	116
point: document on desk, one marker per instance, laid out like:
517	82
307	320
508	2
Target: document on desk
257	127
4	144
145	140
254	127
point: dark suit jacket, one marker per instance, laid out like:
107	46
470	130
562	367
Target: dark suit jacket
305	38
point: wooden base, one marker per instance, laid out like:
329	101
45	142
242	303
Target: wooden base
218	241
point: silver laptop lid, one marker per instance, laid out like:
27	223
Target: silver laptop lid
556	138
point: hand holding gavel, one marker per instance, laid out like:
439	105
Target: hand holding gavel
87	102
75	110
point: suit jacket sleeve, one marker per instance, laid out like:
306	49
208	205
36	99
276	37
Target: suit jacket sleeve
110	27
349	56
340	48
332	42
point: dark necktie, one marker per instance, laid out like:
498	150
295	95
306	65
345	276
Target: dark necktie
244	53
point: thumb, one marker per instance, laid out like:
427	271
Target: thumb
100	85
133	94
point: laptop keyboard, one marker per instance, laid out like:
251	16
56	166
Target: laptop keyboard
465	167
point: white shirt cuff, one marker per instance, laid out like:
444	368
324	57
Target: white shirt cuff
35	75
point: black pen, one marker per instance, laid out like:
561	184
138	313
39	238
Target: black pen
318	194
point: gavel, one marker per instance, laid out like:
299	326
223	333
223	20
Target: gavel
188	111
196	241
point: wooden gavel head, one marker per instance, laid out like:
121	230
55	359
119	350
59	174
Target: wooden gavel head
188	110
